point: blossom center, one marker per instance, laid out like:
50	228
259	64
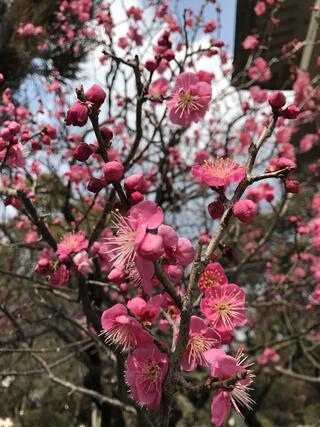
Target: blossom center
152	372
223	308
209	279
187	102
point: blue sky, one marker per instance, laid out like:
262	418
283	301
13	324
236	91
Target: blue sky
228	17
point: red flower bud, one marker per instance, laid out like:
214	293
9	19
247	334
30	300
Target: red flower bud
292	186
169	55
95	185
217	43
290	112
82	152
77	115
135	198
96	95
150	65
216	209
277	100
113	171
106	133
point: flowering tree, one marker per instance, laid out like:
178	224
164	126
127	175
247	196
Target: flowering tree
160	234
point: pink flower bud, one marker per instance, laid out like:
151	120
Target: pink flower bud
174	272
14	127
216	209
281	163
113	171
151	247
135	182
82	152
116	275
77	115
217	43
169	55
64	258
205	76
43	266
1	77
96	95
150	65
123	287
135	198
277	100
95	185
292	186
245	210
290	112
106	133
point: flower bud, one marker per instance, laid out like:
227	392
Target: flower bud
116	275
169	54
150	65
151	247
292	186
245	210
106	133
82	152
135	198
43	266
174	272
290	112
216	209
277	100
113	171
135	182
96	95
77	115
95	185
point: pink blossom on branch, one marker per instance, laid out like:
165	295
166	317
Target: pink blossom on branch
201	339
223	306
122	330
147	369
223	367
213	275
219	172
133	245
189	99
72	243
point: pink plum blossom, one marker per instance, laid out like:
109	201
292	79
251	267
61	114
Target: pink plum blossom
250	42
269	355
201	339
147	312
59	276
219	172
259	70
223	306
159	87
147	369
223	367
244	210
72	243
122	330
132	244
189	100
213	275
